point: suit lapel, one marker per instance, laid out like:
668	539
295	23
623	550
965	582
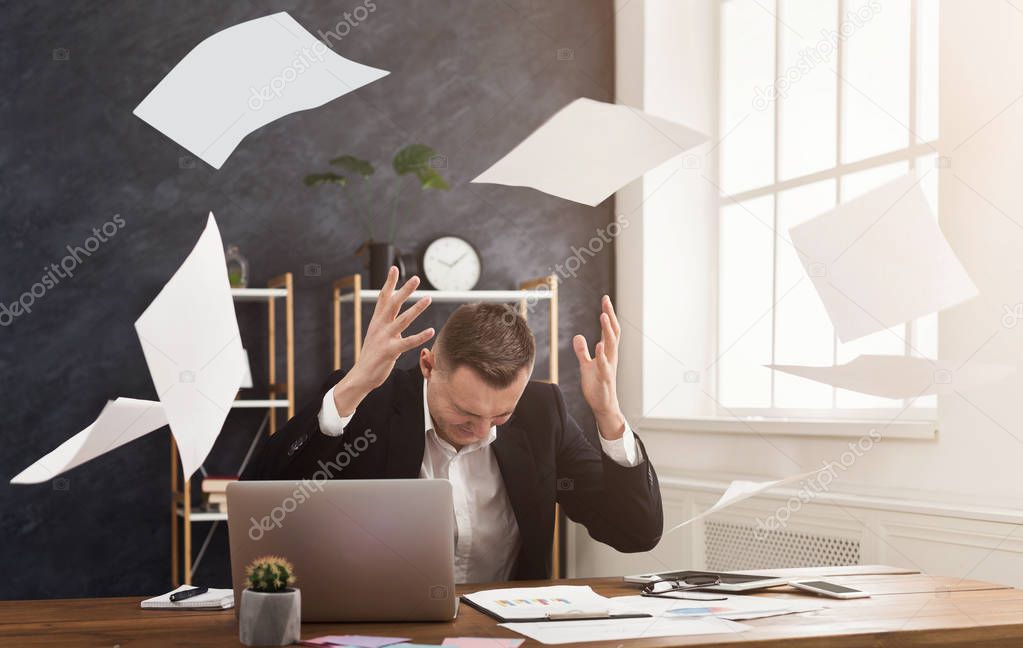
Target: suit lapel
518	470
405	436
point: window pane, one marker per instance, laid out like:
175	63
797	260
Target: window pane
747	106
859	183
890	341
875	63
803	332
807	87
744	327
927	70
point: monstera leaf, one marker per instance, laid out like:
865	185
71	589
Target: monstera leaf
415	158
352	164
315	179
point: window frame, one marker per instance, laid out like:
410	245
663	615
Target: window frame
919	418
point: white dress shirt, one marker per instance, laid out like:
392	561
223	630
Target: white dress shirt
486	532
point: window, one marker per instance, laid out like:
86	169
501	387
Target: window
820	101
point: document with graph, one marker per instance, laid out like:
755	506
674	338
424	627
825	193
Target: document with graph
537	603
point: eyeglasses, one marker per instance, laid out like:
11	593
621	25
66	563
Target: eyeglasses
662	588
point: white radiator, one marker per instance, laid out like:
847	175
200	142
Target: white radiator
734	547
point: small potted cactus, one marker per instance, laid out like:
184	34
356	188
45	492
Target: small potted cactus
271	610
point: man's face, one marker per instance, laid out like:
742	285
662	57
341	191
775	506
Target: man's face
463	406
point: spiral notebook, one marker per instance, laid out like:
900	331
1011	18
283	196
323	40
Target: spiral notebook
215	599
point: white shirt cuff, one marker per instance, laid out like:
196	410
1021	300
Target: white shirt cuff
624	451
331	422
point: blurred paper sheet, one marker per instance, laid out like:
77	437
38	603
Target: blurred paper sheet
901	376
244	77
190	338
121	421
590	149
880	260
560	632
740	490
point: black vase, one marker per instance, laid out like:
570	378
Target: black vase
381	257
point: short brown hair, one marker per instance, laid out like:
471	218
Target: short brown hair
491	339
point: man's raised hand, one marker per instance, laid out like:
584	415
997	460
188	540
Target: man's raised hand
598	375
384	342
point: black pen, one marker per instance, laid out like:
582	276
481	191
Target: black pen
187	594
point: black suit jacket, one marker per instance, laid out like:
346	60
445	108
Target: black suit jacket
543	454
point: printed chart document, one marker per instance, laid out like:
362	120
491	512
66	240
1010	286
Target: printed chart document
122	421
740	490
560	632
590	149
189	335
244	77
880	260
902	376
521	603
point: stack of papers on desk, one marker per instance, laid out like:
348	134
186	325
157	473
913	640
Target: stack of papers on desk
734	607
559	632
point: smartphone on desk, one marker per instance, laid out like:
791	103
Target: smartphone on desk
832	590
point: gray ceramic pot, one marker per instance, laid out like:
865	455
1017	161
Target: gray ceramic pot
270	619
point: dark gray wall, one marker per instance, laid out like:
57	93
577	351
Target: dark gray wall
470	78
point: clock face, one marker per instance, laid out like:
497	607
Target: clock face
451	263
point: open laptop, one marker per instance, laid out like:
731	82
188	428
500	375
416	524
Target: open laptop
363	550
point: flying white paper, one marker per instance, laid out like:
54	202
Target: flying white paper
740	490
590	149
121	421
880	260
244	77
901	376
190	338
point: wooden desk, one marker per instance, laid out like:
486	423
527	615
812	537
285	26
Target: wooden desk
907	610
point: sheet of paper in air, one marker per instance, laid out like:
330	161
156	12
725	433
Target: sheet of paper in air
190	338
122	420
244	77
901	376
880	260
740	490
559	632
590	149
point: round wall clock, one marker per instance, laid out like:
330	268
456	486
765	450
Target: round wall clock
451	263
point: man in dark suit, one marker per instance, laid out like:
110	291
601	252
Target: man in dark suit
469	413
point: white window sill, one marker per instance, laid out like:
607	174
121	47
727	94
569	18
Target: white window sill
922	430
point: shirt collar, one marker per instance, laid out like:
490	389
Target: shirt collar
432	433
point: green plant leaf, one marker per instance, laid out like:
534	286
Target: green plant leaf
412	158
415	158
430	179
352	164
315	179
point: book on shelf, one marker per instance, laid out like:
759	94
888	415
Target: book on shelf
217	483
215	502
